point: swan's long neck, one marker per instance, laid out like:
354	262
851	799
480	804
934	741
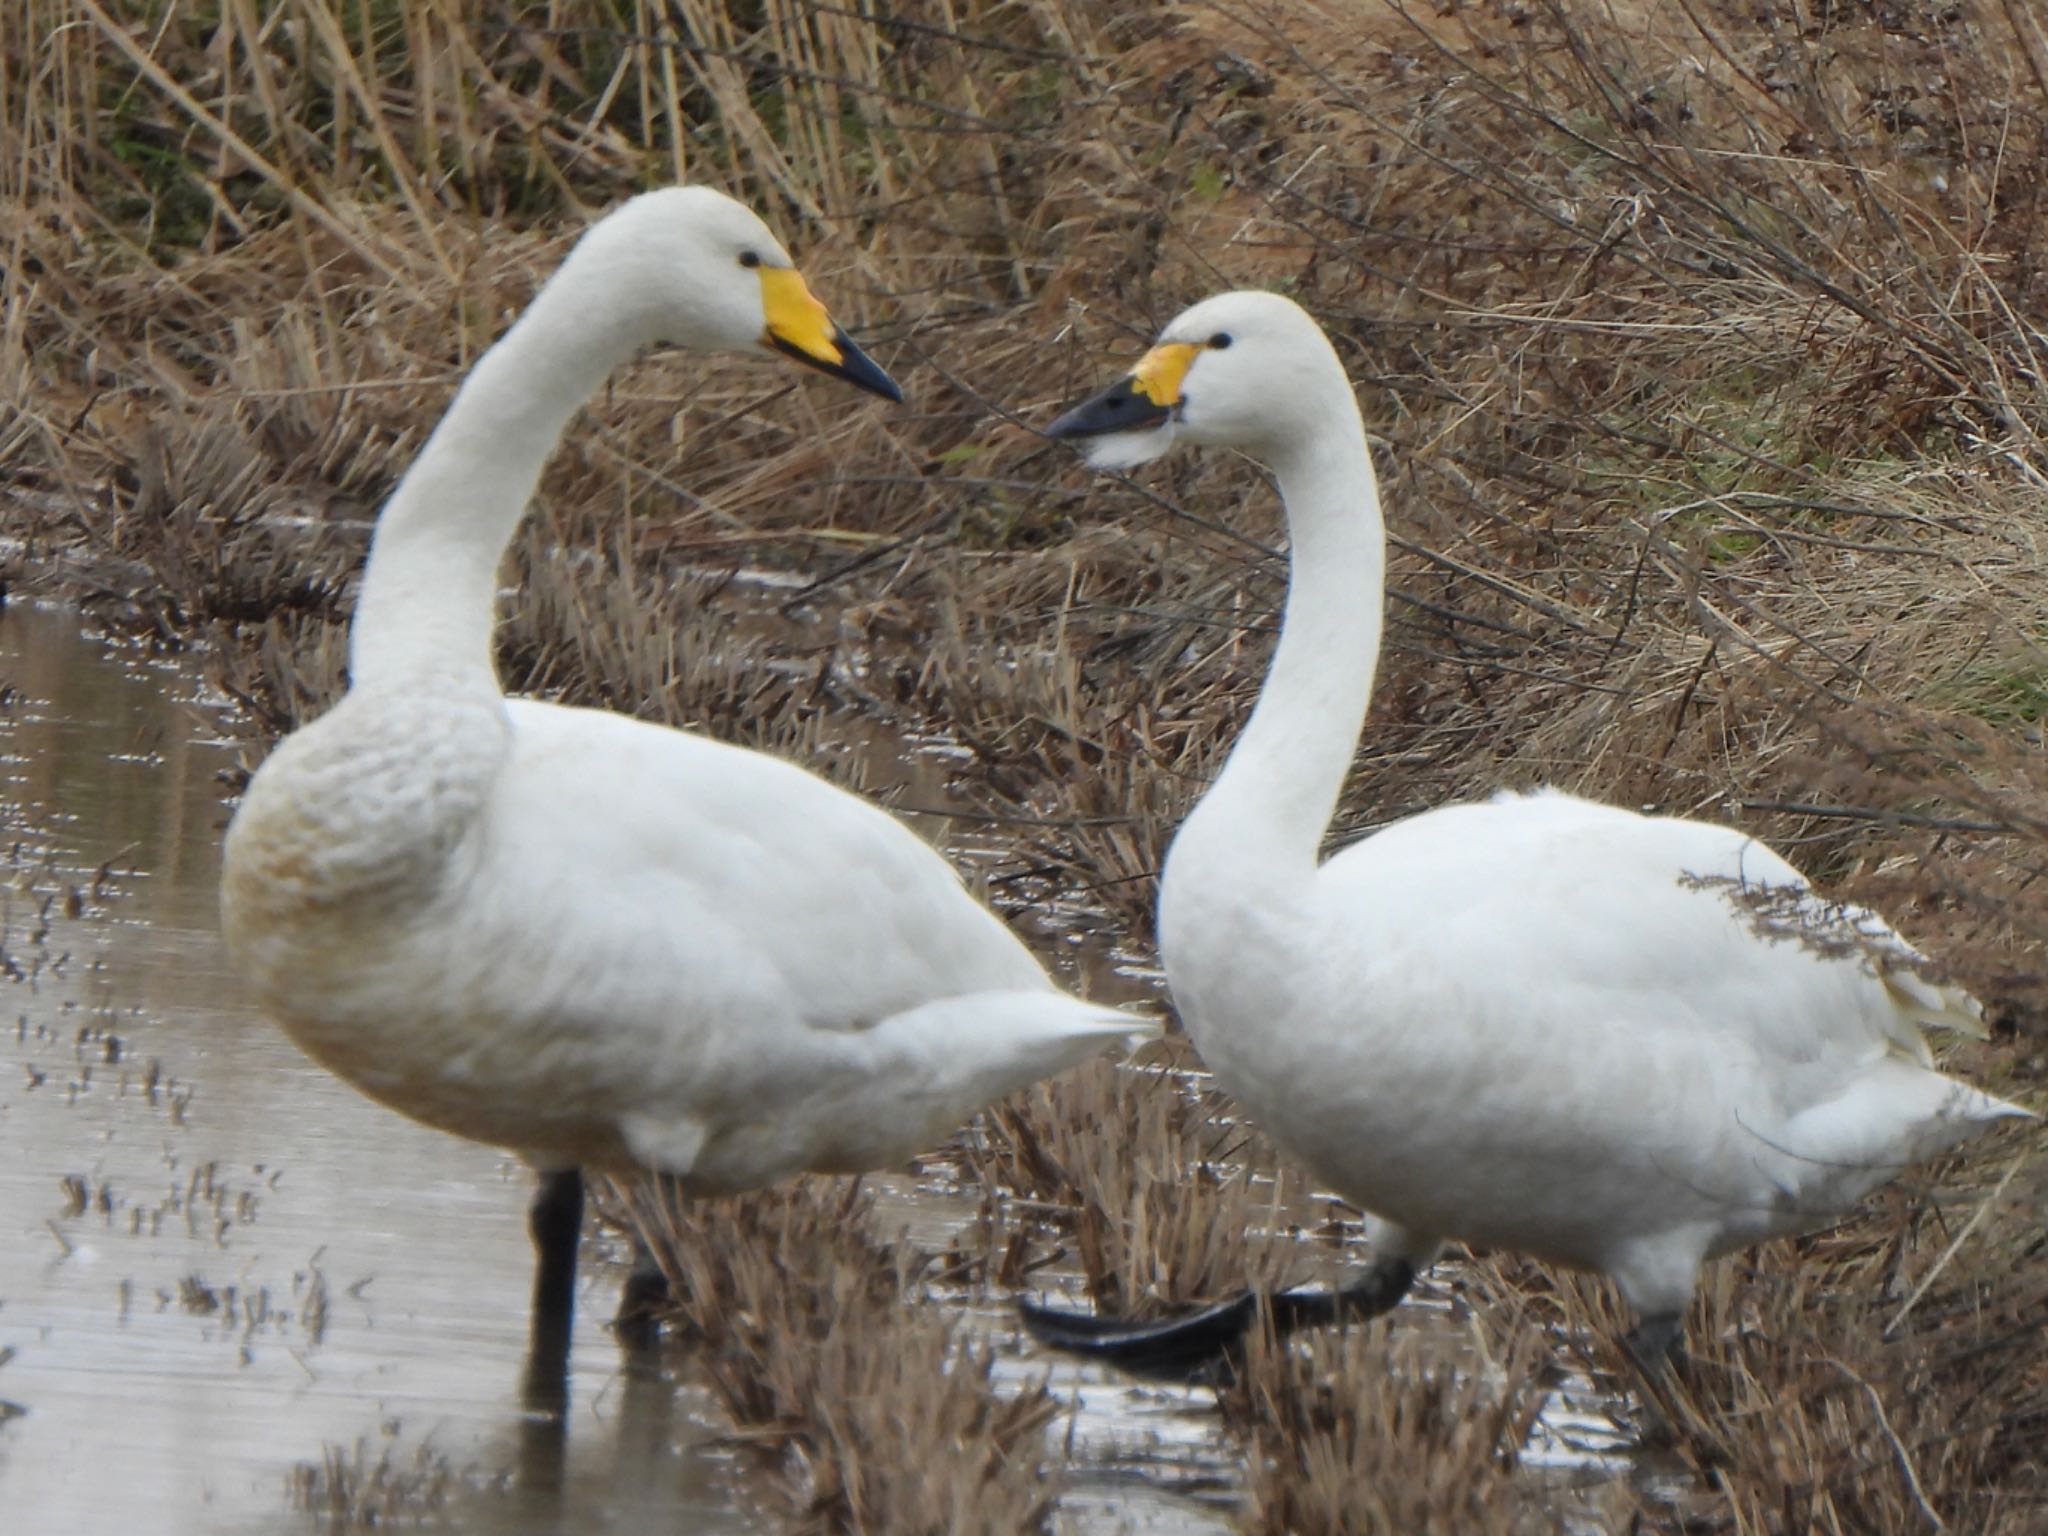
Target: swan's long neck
425	611
1270	807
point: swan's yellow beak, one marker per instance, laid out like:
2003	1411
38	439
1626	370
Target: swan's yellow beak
799	326
1159	372
1143	398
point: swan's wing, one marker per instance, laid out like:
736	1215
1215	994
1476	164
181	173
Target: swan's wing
846	910
742	967
1677	924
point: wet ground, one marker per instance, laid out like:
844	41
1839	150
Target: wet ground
215	1260
218	1265
222	1273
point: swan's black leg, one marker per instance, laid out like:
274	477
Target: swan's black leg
556	1221
1653	1342
642	1296
1380	1289
1179	1349
1201	1344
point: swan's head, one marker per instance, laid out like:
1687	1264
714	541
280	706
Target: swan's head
1243	370
692	268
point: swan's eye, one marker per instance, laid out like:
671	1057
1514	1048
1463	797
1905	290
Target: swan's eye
750	258
1219	341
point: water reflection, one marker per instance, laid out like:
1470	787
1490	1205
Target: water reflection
215	1260
218	1264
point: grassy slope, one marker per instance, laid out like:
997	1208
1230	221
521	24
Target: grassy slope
1702	341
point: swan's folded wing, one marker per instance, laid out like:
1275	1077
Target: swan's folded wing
853	913
1681	926
744	946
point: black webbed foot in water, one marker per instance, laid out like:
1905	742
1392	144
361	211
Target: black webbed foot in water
1203	1346
642	1299
1655	1343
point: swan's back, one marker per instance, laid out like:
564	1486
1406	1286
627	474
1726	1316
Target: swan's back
644	946
1688	923
852	915
1559	1025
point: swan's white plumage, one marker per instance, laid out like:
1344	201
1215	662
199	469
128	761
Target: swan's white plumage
1537	1022
577	935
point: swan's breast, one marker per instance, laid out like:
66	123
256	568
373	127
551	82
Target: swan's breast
353	823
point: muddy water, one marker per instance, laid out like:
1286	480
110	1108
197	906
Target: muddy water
216	1262
220	1268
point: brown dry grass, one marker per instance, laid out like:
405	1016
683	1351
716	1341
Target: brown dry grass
877	1412
1353	1435
1704	346
348	1492
1160	1197
1882	1376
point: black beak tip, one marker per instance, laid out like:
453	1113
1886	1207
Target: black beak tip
854	366
1071	423
1123	407
861	371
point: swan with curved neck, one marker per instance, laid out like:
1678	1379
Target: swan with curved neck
598	942
1619	1042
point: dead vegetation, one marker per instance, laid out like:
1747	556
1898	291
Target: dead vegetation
347	1491
1353	1434
1160	1195
1704	348
875	1409
1880	1376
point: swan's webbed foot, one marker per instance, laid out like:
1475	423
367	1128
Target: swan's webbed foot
1195	1347
642	1298
1653	1344
1204	1345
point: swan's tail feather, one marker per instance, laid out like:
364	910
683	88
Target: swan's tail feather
976	1048
1933	1006
932	1068
1980	1108
1098	1022
1025	1023
1893	1116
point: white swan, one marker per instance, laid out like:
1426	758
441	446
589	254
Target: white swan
1536	1023
594	941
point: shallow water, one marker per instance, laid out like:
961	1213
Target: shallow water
217	1262
264	1263
219	1266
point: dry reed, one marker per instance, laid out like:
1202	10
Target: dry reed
1702	344
1159	1198
878	1414
348	1492
1352	1435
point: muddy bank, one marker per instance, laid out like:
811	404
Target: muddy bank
218	1260
1709	414
250	1288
